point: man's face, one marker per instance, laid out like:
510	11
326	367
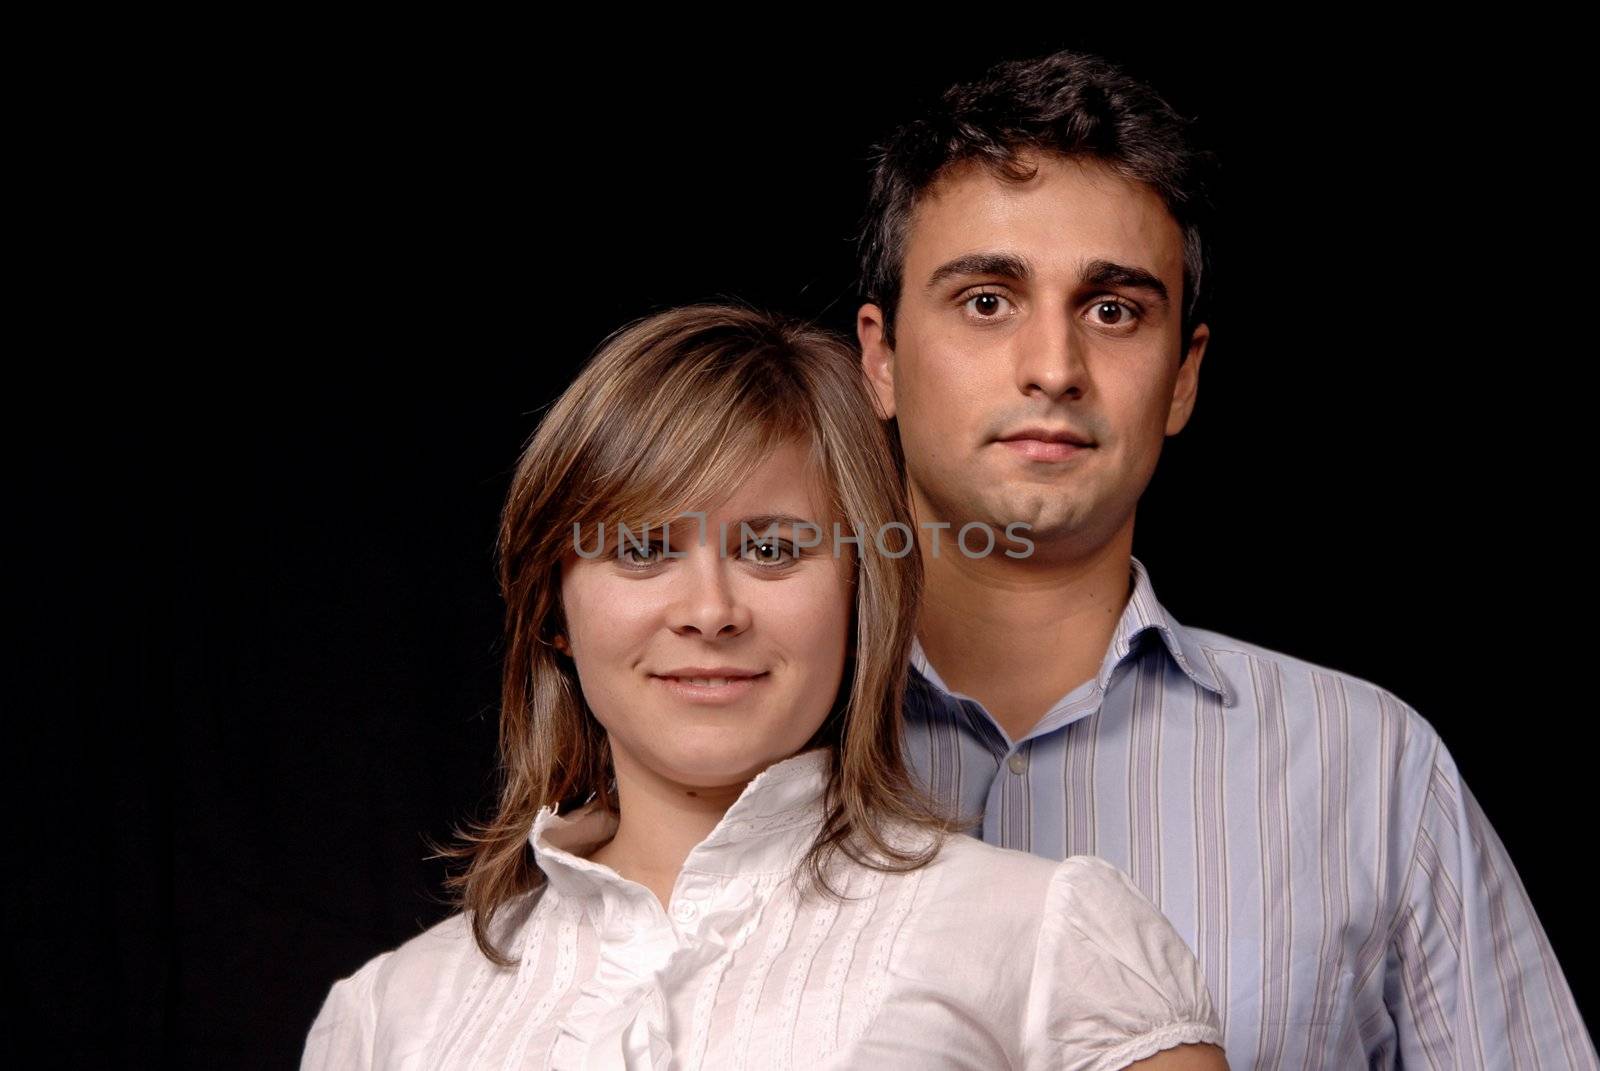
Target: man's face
1051	308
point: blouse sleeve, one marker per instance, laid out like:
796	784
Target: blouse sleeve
344	1031
1113	982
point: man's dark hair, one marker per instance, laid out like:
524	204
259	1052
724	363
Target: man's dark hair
1068	103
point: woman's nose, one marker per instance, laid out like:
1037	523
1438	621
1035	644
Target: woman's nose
709	600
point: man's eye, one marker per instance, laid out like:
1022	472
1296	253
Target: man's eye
1110	313
770	552
988	305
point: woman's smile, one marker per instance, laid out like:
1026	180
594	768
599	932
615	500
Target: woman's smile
710	689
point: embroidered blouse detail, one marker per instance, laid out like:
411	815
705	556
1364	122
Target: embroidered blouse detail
985	958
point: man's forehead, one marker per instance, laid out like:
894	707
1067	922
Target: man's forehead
1071	212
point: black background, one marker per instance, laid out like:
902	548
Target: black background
303	297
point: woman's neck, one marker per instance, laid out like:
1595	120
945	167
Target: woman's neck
661	823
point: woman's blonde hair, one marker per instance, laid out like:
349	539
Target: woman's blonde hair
673	411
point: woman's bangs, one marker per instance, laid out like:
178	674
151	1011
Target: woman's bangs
706	460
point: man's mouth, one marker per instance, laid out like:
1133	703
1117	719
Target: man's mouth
1046	444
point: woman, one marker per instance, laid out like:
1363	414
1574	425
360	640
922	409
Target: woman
707	850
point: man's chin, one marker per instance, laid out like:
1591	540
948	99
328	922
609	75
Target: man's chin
1047	513
1014	512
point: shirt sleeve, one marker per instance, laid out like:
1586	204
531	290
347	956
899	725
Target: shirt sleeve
345	1029
1112	980
1471	979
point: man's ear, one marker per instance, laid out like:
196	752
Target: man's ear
1185	390
877	358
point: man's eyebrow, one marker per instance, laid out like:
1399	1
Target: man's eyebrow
1098	272
1007	264
1110	273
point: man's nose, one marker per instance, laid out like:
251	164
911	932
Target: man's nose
1050	357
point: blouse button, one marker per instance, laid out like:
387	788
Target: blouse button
684	911
1018	763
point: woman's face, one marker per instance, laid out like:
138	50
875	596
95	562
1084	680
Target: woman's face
764	628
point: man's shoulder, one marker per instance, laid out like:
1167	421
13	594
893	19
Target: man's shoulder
1262	678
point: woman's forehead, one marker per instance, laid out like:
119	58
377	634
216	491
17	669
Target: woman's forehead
754	479
783	489
784	481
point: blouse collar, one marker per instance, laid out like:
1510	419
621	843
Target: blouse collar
767	831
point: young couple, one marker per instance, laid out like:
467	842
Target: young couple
713	847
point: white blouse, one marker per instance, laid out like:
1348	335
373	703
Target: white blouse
984	959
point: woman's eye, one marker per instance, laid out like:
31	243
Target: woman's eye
770	552
647	554
988	305
1109	313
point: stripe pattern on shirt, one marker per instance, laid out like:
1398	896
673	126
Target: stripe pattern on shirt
1305	831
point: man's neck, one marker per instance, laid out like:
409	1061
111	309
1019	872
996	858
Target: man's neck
1018	634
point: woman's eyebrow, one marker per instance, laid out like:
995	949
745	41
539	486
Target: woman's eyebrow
758	525
774	520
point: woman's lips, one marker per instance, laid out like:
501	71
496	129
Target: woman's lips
1043	450
731	690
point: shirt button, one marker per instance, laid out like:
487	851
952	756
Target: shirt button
1018	763
684	911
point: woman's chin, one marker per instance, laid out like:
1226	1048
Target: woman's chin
711	768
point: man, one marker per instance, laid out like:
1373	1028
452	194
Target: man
1034	268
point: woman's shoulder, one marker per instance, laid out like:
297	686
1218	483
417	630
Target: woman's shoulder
449	952
393	979
422	959
1083	907
395	994
966	865
984	902
346	1032
1070	953
1112	981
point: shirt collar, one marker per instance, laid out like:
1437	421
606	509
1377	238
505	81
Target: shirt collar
768	830
1143	613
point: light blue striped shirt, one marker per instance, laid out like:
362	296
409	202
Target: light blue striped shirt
1306	832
